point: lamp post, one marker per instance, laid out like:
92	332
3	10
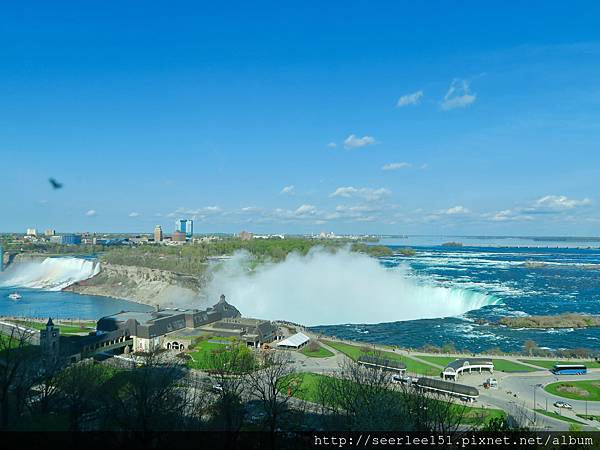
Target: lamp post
534	413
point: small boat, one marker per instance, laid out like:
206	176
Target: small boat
15	296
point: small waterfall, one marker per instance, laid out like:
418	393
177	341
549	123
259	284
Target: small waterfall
53	274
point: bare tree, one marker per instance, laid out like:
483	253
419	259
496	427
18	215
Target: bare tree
360	398
274	386
153	396
16	367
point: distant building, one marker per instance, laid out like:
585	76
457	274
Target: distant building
1	259
158	234
31	232
245	236
49	232
185	226
66	239
178	236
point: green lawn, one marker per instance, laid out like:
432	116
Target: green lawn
412	366
202	354
64	329
580	390
439	360
549	364
589	417
321	353
502	365
557	416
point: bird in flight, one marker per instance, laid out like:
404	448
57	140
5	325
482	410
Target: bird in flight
55	184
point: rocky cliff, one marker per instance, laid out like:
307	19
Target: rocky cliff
143	285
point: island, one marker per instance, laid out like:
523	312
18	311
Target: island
567	320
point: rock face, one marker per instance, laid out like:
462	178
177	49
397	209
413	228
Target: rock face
143	285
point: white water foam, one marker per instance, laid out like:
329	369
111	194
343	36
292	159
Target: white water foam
325	288
52	274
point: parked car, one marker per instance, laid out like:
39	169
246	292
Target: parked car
217	387
564	405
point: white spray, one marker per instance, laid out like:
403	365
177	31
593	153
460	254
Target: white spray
324	288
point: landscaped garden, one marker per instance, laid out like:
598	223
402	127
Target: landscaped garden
502	365
576	390
412	365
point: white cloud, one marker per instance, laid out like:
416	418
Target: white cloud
134	214
353	141
559	203
459	95
508	215
410	99
288	189
455	210
395	166
366	193
332	145
304	210
91	212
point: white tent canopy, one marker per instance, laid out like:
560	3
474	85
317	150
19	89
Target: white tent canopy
295	341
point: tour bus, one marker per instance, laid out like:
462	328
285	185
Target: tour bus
569	369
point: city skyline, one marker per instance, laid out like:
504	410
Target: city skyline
356	120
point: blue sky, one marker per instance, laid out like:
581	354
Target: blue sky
366	117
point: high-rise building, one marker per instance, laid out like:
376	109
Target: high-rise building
31	232
185	226
49	232
158	234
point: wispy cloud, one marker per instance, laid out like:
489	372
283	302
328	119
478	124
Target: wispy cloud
365	193
395	166
559	203
288	189
134	214
459	95
303	210
91	212
354	141
547	205
410	99
455	210
332	145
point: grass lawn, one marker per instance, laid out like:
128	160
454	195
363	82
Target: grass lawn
412	366
589	417
202	354
557	416
502	365
321	353
64	329
549	364
576	390
439	360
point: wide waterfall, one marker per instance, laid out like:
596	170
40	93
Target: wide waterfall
51	274
345	287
